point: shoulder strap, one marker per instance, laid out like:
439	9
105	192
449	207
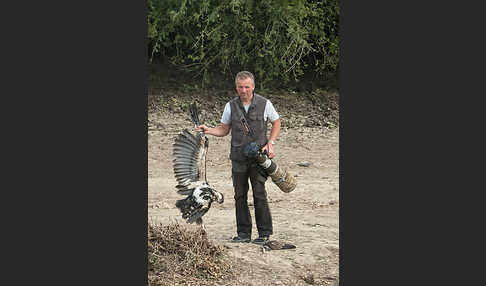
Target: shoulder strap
243	120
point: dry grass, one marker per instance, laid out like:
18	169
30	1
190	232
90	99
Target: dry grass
180	256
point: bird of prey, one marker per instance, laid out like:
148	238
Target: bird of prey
190	171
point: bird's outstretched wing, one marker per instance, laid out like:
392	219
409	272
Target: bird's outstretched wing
189	161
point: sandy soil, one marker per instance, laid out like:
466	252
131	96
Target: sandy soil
307	217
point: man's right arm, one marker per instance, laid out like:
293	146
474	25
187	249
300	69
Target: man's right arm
220	131
224	128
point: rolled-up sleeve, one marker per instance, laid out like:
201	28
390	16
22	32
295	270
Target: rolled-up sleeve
226	118
270	112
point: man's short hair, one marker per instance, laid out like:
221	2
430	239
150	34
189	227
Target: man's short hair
244	75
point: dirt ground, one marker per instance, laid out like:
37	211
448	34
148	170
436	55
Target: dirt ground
307	217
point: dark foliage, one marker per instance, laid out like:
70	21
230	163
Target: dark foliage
275	39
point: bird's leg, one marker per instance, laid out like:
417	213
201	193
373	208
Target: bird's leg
199	222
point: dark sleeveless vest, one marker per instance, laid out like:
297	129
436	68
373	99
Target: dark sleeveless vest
254	118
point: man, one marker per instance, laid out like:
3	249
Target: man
247	116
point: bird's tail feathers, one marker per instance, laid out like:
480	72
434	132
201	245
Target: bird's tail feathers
189	213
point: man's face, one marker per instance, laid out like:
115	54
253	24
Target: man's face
245	88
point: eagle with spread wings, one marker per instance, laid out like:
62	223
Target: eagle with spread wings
190	172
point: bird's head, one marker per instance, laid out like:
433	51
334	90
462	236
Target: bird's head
219	196
216	196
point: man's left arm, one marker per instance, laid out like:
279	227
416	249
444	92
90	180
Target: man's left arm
273	136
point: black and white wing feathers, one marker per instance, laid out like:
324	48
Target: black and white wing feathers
189	161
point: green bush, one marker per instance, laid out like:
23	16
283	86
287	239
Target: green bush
275	39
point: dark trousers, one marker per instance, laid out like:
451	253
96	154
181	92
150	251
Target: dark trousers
263	217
